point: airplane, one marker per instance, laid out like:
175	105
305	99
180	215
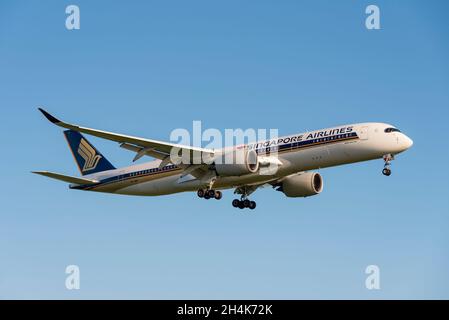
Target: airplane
294	158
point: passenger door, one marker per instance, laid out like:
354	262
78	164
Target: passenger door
363	133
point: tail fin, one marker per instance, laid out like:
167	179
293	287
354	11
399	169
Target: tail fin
87	157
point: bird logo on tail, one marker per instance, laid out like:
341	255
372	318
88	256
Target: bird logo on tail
87	152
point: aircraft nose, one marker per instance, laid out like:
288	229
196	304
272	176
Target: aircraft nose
407	142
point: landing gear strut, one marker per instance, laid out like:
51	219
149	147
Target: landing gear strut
387	163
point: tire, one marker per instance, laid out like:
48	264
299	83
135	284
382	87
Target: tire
241	206
218	195
211	193
235	203
386	172
200	193
206	196
252	205
246	203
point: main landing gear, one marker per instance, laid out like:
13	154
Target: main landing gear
242	204
387	160
209	194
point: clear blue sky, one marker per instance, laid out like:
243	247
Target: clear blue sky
146	68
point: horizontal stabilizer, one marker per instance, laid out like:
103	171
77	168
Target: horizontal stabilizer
65	178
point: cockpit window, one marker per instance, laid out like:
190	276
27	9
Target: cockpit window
388	130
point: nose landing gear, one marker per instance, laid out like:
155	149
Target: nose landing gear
387	160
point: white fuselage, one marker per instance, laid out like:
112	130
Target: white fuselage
302	152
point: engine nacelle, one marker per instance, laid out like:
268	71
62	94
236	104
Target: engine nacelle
302	185
237	163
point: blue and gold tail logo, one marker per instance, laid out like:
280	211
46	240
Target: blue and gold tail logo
87	152
88	159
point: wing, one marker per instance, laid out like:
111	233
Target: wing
157	149
250	188
65	178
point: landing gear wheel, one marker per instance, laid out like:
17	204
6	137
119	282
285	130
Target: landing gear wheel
242	204
206	196
200	193
211	193
252	205
218	195
387	163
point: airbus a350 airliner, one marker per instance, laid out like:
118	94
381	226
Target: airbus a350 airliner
294	157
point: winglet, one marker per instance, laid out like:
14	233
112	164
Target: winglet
49	116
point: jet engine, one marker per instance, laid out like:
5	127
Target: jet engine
237	163
302	185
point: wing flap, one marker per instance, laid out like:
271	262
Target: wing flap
140	152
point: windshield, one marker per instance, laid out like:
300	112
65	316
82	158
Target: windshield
388	130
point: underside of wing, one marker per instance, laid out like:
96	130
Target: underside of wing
250	188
